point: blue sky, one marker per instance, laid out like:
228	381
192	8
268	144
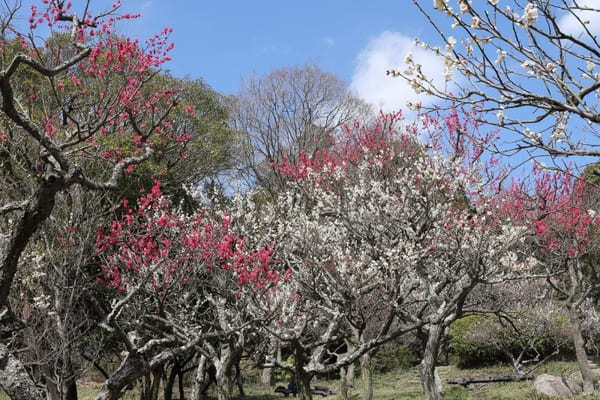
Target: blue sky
222	42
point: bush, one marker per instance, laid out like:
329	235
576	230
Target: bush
471	353
392	356
479	340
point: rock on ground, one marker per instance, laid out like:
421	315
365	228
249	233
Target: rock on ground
552	386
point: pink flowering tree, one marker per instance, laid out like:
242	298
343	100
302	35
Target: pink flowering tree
561	213
390	227
77	110
182	286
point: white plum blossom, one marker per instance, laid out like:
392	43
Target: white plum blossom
530	15
531	135
590	65
451	42
440	4
447	74
378	239
500	116
501	56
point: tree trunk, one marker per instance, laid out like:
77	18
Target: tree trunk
239	379
582	360
225	375
267	377
37	211
151	385
180	375
303	384
15	380
432	386
346	380
573	301
157	375
168	389
130	370
50	381
366	373
70	384
200	384
267	374
302	378
71	389
225	384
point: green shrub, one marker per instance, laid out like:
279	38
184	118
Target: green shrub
393	356
470	353
478	340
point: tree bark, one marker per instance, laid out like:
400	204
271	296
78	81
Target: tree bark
130	370
50	381
37	211
199	383
168	389
582	360
429	379
346	380
275	352
302	378
70	384
239	379
303	384
225	376
71	390
573	301
157	377
15	380
225	384
180	376
366	373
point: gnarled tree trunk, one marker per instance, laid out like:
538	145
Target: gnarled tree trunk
15	380
429	379
130	370
267	373
302	378
576	297
366	373
200	384
225	375
346	380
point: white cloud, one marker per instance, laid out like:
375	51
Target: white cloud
568	23
385	52
329	42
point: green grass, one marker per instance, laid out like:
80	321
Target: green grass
405	385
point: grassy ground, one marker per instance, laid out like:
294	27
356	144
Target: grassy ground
404	385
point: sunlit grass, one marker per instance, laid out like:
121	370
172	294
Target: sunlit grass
402	385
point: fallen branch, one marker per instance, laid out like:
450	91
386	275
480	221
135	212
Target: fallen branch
489	379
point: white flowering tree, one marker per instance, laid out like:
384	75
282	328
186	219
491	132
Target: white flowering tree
376	229
531	68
